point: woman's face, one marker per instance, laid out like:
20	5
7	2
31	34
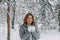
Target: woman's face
29	20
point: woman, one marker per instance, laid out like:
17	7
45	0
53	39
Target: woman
28	30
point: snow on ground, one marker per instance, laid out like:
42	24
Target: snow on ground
50	35
15	33
3	31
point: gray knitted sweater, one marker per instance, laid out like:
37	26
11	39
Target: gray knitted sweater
26	35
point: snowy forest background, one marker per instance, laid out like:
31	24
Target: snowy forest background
46	13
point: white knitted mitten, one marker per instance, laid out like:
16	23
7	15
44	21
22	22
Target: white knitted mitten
31	28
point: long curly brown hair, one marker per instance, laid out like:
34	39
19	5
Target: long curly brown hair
25	19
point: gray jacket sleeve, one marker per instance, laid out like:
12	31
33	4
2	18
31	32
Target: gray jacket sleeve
36	33
23	34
